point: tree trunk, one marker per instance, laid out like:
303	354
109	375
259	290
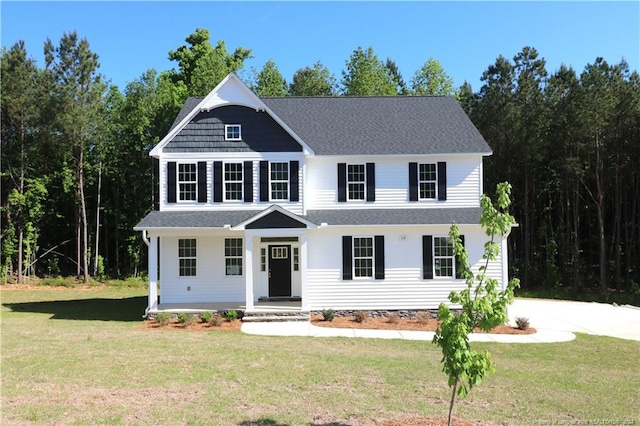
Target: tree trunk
575	276
95	263
600	207
453	400
83	218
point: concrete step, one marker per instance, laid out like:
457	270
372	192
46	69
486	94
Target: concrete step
271	316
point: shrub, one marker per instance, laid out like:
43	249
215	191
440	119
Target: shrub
423	318
215	320
393	318
360	316
231	315
522	323
186	318
206	316
163	318
328	314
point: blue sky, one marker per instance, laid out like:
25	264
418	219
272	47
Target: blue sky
466	37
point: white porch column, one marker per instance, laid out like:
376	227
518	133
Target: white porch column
303	271
153	272
248	267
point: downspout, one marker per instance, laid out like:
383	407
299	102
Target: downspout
145	238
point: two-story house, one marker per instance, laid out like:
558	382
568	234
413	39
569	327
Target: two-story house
334	202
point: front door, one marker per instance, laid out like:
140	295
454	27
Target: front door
279	270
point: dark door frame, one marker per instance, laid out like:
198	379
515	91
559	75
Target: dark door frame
279	270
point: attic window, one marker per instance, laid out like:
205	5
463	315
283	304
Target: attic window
232	132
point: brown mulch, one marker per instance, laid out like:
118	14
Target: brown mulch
402	324
196	326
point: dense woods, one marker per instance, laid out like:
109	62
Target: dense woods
76	175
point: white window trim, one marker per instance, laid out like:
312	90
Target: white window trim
271	163
224	182
187	257
452	257
241	256
178	182
435	197
364	182
373	258
230	126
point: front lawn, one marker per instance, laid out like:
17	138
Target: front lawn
82	356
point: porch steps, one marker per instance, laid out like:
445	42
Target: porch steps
275	316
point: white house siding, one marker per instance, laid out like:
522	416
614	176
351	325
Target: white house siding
403	286
210	284
236	157
392	182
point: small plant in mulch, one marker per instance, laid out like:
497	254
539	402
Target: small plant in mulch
328	314
231	315
163	318
186	318
423	318
522	323
216	320
205	317
360	316
393	318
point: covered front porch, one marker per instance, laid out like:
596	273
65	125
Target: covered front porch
280	306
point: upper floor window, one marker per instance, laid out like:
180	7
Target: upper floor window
233	182
187	257
232	132
279	181
427	181
356	182
187	182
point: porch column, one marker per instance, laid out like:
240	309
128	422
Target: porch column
248	267
153	272
303	270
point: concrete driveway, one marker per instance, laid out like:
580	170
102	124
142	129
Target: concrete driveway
598	319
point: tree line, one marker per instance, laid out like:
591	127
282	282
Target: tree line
76	175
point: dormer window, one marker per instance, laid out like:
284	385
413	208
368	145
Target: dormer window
232	132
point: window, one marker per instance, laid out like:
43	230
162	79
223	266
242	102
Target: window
296	259
187	257
233	256
233	181
232	132
187	182
263	259
356	182
279	181
427	181
279	252
443	257
363	256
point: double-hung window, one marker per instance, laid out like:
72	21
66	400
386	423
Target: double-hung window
233	181
279	181
443	257
356	182
187	257
187	182
232	132
427	181
233	256
363	256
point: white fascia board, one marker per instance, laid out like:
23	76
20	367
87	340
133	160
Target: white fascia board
230	91
269	210
452	154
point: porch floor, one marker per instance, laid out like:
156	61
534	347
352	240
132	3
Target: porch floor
284	306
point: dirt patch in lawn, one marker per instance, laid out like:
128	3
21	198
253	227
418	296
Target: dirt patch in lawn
402	324
431	421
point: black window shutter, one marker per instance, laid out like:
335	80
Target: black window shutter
458	274
413	181
371	181
442	180
247	176
347	258
171	182
202	181
264	181
379	260
217	181
427	257
294	193
342	182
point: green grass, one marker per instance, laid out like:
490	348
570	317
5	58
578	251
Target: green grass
72	356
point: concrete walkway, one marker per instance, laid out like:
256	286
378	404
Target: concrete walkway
555	321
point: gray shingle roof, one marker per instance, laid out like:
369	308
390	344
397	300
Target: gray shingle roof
217	219
346	125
